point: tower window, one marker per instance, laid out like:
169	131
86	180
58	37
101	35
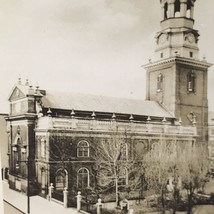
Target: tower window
189	4
166	10
189	8
177	8
191	82
159	83
191	54
161	55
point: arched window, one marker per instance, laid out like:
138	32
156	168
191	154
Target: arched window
83	149
166	10
189	7
189	4
177	8
83	178
160	82
191	82
61	179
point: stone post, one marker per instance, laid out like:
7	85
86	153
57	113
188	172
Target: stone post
79	198
171	11
99	206
131	211
65	197
50	191
2	173
183	8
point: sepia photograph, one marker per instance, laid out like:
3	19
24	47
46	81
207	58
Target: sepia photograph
106	107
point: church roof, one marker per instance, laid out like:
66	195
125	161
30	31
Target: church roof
85	102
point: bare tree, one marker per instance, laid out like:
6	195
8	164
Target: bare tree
159	162
115	163
193	166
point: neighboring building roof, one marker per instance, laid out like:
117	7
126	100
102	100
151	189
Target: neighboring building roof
3	141
84	102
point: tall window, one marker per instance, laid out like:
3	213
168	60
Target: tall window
177	8
61	179
191	82
166	10
83	149
160	82
83	178
189	6
43	150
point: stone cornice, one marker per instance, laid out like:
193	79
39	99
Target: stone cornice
181	60
28	116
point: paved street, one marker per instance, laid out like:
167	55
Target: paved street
10	209
41	205
37	203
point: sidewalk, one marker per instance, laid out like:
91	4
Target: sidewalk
37	203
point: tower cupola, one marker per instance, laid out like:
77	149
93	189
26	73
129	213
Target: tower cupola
177	36
177	8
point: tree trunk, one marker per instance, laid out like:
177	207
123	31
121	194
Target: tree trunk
163	202
176	199
116	191
189	208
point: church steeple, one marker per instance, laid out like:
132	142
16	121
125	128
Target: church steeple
178	78
177	36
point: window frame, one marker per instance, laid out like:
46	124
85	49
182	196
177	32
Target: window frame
87	175
83	151
160	82
66	178
191	82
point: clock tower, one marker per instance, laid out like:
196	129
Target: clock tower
178	78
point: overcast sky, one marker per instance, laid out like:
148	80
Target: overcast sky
88	46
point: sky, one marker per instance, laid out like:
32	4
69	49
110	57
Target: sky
94	47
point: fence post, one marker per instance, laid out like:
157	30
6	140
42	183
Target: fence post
65	197
50	190
79	197
99	206
131	211
2	173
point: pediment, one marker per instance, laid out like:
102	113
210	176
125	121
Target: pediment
16	94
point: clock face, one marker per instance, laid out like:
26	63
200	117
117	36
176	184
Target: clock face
163	38
191	38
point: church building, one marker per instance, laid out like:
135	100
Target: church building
53	135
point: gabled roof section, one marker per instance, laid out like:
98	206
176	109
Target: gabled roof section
19	91
84	102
